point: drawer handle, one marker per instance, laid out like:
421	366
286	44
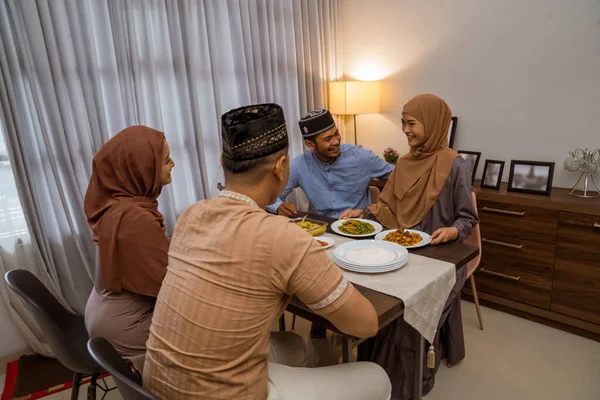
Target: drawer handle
505	212
597	225
501	275
509	245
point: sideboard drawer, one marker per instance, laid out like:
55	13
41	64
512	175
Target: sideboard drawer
576	290
524	255
514	284
523	222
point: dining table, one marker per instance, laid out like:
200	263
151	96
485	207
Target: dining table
388	308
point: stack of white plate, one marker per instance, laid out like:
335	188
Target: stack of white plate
370	256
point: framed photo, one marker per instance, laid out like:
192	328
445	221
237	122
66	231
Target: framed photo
533	177
492	174
472	157
452	131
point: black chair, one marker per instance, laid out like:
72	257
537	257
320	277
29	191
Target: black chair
128	383
64	331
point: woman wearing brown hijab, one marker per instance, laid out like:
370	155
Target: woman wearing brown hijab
121	205
429	190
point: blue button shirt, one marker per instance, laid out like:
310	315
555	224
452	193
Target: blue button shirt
337	186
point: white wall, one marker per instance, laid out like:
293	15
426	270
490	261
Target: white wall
523	77
10	338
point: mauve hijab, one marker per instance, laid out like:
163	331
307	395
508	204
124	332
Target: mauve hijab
122	210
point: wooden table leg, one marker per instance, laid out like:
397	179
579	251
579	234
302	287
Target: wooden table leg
282	322
346	349
419	368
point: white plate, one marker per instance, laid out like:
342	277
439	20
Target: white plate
359	267
371	256
330	241
426	238
336	229
355	266
371	270
343	251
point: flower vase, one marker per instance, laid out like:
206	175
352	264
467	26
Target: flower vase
590	189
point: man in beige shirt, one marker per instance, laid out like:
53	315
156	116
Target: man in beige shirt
232	271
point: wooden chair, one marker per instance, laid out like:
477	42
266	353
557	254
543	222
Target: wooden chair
475	240
375	192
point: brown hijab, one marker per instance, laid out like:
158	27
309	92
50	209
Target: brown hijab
122	210
421	174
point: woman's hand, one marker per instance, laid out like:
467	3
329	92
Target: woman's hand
444	235
356	213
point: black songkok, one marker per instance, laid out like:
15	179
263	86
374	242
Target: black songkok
253	132
316	122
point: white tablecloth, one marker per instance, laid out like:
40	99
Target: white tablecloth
424	285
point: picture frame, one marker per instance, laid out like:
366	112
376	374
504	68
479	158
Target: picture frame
492	174
533	177
472	157
452	131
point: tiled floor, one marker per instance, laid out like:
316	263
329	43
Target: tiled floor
512	359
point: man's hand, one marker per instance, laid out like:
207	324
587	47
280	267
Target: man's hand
287	210
356	213
444	235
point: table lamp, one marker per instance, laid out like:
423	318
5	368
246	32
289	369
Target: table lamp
354	97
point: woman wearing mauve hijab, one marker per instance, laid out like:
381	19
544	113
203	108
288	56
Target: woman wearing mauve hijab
429	190
121	205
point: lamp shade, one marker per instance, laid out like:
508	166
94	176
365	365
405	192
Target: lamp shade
354	97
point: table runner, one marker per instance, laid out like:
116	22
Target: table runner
424	285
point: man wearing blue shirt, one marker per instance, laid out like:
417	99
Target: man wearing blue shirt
335	177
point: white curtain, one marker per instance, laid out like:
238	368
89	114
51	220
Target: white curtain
16	251
75	72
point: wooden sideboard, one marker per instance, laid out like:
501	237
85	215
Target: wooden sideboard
541	258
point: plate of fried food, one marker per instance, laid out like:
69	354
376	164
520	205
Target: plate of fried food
409	238
325	242
356	227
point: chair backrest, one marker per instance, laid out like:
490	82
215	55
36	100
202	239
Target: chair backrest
374	191
64	331
128	383
474	240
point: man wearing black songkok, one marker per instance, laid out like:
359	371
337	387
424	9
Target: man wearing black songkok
232	271
335	177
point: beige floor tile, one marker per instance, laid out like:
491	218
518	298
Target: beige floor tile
514	358
592	376
451	384
64	395
587	392
590	387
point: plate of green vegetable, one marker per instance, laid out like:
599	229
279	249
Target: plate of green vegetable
356	227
